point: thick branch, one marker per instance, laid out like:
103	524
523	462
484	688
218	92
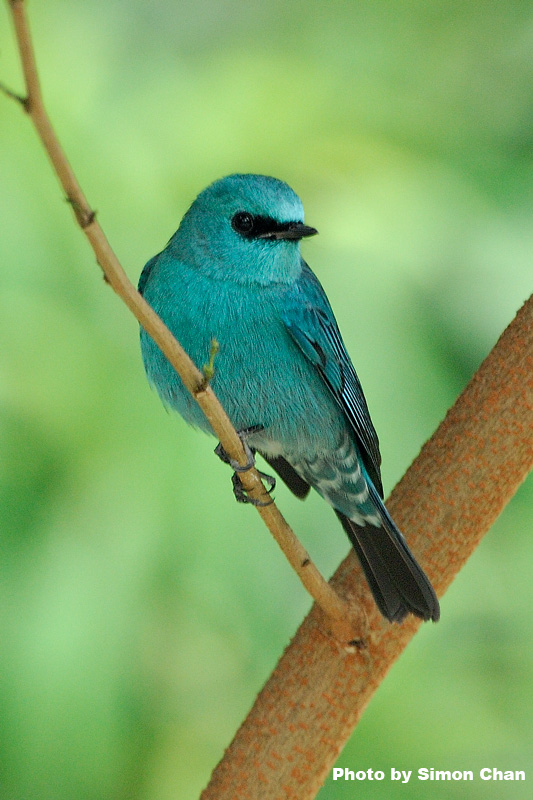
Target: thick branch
447	500
342	620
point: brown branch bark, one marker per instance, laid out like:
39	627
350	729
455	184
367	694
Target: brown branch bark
342	619
447	500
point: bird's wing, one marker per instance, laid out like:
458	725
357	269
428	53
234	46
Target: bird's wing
311	323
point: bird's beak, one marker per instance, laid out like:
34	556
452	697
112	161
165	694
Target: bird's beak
293	230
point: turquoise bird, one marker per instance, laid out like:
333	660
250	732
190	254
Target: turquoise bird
233	272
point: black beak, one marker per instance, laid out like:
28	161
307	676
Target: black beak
289	230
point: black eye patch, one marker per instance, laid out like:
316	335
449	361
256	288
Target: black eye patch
253	226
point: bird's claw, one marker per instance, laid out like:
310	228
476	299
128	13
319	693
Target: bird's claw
238	489
241	495
236	467
250	454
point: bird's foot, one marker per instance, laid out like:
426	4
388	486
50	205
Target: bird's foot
250	454
241	495
238	489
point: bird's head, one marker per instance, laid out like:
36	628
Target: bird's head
244	228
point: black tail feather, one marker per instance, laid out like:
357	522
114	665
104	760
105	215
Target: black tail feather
397	582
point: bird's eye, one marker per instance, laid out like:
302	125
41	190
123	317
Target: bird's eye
242	222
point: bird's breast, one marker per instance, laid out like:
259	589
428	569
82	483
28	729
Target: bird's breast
261	376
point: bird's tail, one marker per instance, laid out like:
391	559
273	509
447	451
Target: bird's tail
398	583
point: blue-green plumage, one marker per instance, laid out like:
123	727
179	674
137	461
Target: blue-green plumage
233	272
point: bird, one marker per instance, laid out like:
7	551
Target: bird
233	273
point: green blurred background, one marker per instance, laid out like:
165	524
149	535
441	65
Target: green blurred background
141	608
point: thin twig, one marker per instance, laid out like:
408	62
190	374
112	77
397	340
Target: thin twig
13	95
343	622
